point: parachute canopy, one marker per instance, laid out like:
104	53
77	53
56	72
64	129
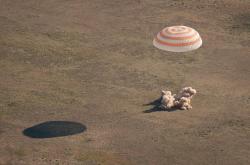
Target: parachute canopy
178	39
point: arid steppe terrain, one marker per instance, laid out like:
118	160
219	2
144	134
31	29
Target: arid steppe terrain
93	62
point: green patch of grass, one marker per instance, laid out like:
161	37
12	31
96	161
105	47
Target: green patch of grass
20	153
100	158
2	112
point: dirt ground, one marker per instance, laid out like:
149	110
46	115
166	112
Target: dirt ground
93	62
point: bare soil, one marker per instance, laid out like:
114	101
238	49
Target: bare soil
93	62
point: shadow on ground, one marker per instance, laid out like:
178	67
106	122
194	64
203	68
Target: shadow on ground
156	107
52	129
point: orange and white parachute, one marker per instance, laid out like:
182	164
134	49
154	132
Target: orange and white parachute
178	39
